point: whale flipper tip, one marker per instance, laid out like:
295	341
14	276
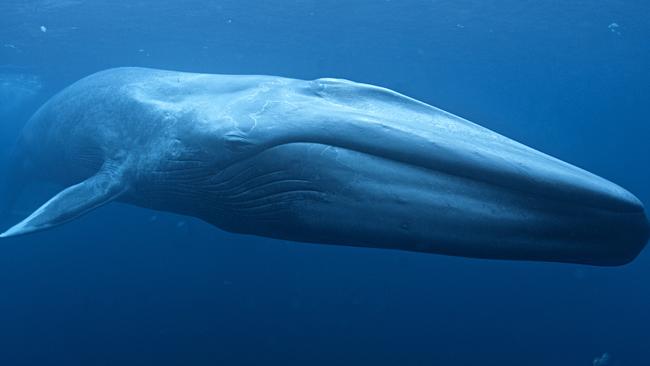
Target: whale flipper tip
69	204
14	231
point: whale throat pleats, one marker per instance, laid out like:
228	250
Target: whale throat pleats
72	202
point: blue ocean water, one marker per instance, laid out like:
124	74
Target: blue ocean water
128	286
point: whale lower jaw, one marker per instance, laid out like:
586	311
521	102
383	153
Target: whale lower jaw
324	194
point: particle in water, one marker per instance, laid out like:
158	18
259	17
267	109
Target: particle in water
614	28
43	29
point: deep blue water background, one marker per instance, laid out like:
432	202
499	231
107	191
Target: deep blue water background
128	286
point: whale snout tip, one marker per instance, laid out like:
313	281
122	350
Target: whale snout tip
600	193
625	200
633	202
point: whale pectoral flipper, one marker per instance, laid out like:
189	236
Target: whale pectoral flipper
71	203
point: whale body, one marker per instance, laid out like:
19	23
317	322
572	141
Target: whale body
323	161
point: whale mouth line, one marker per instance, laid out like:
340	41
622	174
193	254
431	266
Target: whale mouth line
472	170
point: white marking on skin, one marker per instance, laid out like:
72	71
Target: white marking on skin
325	150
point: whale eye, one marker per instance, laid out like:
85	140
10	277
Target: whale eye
237	141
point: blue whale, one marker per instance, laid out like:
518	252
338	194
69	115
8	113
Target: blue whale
323	161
